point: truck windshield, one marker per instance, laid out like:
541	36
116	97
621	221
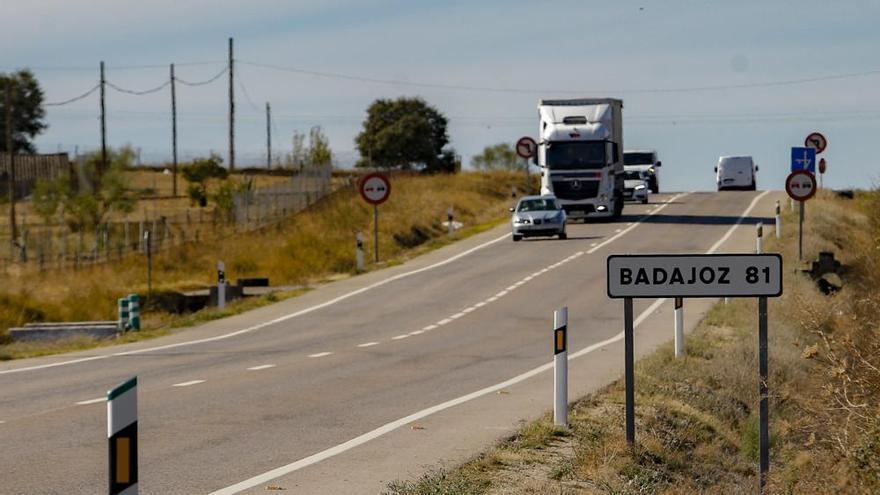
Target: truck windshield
638	158
569	155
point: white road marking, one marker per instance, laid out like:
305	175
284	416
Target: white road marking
443	321
492	299
510	288
429	328
91	401
468	310
480	304
735	225
189	383
624	231
457	316
1	422
618	230
261	367
417	332
267	323
592	244
320	354
368	344
389	427
502	293
398	337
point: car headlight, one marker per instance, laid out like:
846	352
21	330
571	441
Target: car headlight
639	188
522	220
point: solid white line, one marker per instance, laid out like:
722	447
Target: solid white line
398	337
368	344
735	225
457	316
189	383
443	321
91	401
624	231
417	332
261	367
429	327
502	293
389	427
470	309
1	422
492	299
320	354
274	321
509	288
480	304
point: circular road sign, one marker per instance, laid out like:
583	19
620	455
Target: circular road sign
816	140
375	188
526	147
822	166
800	185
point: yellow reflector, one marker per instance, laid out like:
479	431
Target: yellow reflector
123	458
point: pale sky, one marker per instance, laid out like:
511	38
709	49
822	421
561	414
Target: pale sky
495	59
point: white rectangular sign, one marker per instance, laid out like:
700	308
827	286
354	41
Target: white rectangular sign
700	275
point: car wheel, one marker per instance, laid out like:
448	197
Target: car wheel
645	201
517	237
655	187
563	236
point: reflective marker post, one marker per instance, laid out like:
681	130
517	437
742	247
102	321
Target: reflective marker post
560	367
450	217
221	285
122	436
359	251
759	247
679	327
778	222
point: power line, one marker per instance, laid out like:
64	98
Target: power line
116	67
350	77
202	83
246	95
71	100
138	93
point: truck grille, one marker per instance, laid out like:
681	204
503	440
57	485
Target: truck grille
582	189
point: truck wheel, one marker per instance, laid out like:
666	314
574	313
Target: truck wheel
618	207
655	187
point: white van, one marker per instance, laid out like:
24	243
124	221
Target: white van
735	172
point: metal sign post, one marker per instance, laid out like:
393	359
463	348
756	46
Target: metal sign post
375	189
526	148
707	275
376	233
800	186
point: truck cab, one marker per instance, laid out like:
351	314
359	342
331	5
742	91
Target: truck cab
644	161
580	151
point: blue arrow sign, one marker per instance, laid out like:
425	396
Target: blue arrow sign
803	159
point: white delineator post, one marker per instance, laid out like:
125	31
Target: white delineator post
221	285
679	327
359	251
759	246
450	217
560	367
122	436
778	222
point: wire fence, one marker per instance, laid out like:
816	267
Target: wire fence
44	246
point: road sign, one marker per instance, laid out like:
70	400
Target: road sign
816	141
526	147
703	275
803	159
800	185
375	188
822	166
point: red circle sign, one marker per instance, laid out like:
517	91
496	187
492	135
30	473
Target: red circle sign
816	140
526	147
822	166
800	185
375	188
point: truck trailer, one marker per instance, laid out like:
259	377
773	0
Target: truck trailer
580	151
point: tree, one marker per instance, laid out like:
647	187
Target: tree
317	153
27	110
406	133
500	156
197	174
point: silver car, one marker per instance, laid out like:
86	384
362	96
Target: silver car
538	216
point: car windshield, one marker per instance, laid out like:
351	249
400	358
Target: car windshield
638	158
576	155
632	175
537	205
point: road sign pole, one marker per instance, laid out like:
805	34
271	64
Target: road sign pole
763	393
679	327
122	438
630	373
560	367
778	222
376	233
801	232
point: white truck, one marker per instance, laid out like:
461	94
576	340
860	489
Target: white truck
580	150
645	162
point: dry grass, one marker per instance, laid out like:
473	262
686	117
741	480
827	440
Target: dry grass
315	245
696	418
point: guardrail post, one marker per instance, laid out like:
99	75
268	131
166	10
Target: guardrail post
359	251
778	222
679	327
759	247
122	437
560	367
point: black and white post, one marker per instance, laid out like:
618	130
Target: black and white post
778	222
450	222
759	244
221	285
122	433
679	327
359	251
560	367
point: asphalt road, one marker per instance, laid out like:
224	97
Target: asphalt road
363	380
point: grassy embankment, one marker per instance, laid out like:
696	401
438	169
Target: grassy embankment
696	418
313	246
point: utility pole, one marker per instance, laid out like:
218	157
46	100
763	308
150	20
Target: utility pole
103	126
268	137
231	110
173	135
10	151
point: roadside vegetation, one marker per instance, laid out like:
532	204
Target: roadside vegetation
313	246
696	417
